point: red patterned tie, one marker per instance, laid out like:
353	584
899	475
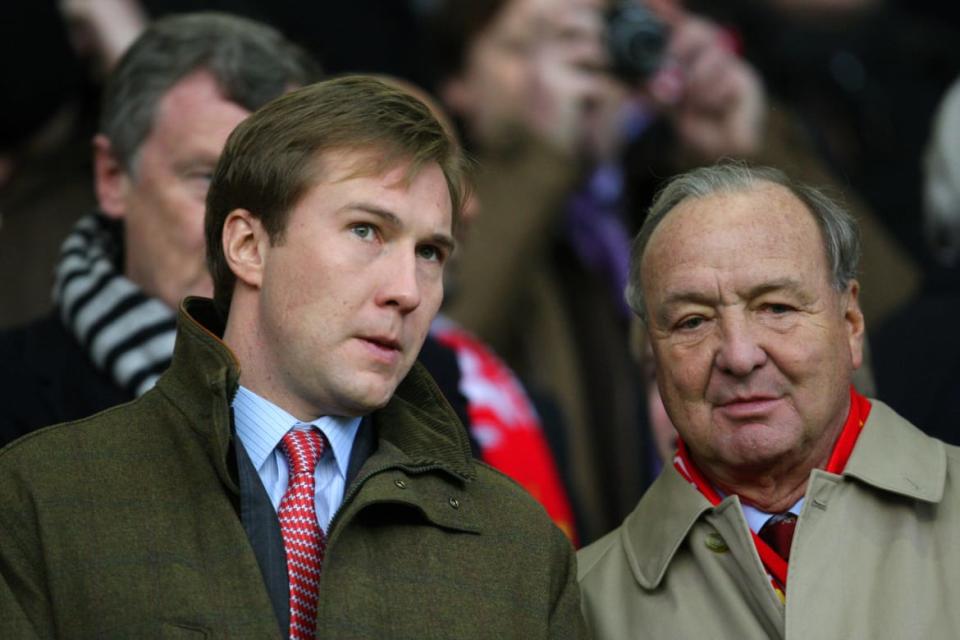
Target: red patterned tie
303	538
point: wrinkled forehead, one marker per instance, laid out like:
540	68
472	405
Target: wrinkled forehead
732	230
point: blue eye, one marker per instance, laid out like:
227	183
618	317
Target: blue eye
363	231
429	252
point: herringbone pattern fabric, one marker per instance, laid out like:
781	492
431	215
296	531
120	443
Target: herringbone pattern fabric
303	538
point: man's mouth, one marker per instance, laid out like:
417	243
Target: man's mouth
384	342
382	348
748	405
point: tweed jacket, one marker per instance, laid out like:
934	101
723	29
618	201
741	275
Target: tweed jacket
125	525
876	554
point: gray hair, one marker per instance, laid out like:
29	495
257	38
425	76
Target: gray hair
841	238
251	62
941	213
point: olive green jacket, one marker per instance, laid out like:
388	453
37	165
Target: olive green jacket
876	554
125	525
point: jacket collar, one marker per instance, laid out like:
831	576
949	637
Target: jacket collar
891	455
654	531
204	376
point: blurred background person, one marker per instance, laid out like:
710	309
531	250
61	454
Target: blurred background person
917	351
525	79
168	109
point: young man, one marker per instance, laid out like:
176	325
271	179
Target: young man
294	471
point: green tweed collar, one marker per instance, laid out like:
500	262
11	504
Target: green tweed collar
204	377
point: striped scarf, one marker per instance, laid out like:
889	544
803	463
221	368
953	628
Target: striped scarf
127	334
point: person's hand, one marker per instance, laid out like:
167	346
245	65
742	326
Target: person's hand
569	89
713	98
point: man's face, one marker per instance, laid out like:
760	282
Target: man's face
348	293
534	66
754	347
162	199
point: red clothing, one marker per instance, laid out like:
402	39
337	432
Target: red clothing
505	424
842	448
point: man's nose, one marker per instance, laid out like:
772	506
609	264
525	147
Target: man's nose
401	286
740	351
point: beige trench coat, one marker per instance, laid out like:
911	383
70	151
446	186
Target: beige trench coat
876	554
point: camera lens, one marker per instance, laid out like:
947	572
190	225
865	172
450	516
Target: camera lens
636	40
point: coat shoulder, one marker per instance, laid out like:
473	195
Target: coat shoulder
503	495
593	555
66	448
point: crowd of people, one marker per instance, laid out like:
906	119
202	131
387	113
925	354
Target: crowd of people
360	321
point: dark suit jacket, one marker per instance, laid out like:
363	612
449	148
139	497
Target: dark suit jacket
46	378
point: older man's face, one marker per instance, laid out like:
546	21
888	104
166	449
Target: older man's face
162	200
754	347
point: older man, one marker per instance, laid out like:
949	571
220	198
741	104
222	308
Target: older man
746	283
293	471
168	108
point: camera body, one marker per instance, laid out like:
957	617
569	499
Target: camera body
636	41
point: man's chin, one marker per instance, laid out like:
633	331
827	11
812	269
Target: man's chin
360	401
754	445
758	455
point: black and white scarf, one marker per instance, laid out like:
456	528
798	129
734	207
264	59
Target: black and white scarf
126	333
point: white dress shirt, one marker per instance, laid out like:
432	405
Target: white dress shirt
261	426
756	518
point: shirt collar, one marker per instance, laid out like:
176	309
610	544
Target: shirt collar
757	518
261	425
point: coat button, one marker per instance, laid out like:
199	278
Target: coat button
715	543
454	503
400	484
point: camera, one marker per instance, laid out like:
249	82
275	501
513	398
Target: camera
636	41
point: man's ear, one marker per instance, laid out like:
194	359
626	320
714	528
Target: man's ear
245	246
856	325
111	180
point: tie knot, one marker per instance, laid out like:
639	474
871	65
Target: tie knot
303	449
778	533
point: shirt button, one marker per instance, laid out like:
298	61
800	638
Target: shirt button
454	503
400	484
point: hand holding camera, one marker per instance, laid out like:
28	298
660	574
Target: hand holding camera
685	67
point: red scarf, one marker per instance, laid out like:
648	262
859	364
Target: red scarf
775	565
